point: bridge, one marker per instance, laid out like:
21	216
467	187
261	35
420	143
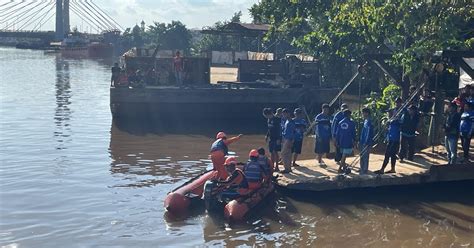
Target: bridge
28	18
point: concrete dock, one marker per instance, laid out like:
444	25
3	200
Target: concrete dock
426	168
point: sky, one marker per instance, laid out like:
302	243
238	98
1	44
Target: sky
193	13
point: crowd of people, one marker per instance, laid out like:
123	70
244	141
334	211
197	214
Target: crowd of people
286	131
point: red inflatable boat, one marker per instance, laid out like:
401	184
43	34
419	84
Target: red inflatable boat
179	199
236	209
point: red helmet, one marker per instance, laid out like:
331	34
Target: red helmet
230	160
253	153
220	135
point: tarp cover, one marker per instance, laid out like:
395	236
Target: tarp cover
464	78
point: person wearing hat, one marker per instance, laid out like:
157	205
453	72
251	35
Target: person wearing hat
219	149
451	131
322	133
236	183
300	125
335	124
273	136
345	138
409	123
288	137
254	171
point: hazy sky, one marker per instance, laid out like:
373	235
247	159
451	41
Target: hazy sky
193	13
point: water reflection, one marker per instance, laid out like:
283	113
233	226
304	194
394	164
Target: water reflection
63	112
157	159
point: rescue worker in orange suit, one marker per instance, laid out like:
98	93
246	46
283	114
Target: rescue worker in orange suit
236	184
219	150
265	163
254	171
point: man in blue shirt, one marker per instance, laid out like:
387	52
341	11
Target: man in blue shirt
466	128
409	123
300	125
393	137
288	137
322	133
335	122
365	142
345	138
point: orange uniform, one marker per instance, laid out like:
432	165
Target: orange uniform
219	150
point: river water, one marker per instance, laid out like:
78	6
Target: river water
71	178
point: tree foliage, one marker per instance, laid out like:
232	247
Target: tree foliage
336	31
167	36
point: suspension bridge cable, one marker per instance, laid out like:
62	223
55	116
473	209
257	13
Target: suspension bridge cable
105	13
95	15
40	19
7	3
31	20
13	6
84	18
14	11
105	18
27	12
103	27
86	15
18	18
46	20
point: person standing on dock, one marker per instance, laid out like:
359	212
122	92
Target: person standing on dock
335	122
409	124
219	149
178	64
273	136
300	125
345	138
322	133
366	141
393	137
466	128
451	130
288	137
115	75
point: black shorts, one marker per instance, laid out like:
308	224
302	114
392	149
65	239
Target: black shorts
392	148
297	145
274	145
321	146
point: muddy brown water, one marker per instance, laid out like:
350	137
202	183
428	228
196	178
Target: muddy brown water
71	178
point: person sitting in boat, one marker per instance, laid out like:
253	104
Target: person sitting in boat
254	171
236	184
219	150
265	163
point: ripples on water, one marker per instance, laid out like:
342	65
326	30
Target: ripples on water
70	178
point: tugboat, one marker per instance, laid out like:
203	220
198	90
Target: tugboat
164	103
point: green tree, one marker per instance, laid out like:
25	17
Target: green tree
169	36
340	31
